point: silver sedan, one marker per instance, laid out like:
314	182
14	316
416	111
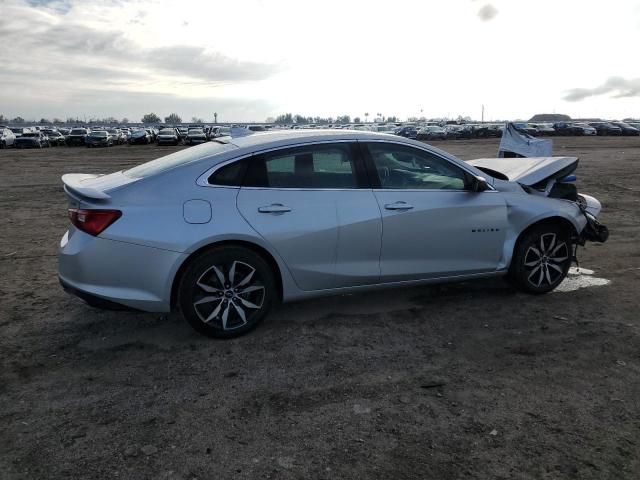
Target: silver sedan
224	231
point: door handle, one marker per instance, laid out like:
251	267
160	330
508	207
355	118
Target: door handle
398	206
274	208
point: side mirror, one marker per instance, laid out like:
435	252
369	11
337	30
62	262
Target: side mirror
479	184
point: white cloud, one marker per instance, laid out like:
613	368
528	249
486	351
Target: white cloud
487	12
257	59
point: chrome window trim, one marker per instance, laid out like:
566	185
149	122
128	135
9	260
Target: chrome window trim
202	180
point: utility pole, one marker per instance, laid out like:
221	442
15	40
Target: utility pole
482	121
215	117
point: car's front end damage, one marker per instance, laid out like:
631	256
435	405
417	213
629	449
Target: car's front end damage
543	184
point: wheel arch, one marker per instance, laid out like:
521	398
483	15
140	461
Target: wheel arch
553	220
263	252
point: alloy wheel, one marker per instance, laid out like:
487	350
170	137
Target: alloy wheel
229	295
545	260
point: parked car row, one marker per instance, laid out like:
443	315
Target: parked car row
107	136
580	128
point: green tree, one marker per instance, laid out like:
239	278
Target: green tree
151	118
356	119
196	120
18	120
172	119
3	119
300	119
342	119
284	119
124	121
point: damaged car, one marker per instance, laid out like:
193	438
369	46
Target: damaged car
34	139
224	231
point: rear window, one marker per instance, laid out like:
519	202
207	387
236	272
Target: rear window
316	166
176	159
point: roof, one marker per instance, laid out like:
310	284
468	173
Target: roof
263	139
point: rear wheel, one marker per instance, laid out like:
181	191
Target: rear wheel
226	292
541	259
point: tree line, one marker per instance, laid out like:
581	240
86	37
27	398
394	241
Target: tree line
175	119
290	119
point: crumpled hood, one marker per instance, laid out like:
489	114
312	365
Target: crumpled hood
527	171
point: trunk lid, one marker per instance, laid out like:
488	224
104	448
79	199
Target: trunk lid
535	172
95	187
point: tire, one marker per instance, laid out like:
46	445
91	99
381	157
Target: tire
3	145
541	259
211	305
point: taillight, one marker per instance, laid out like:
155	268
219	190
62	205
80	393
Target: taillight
93	222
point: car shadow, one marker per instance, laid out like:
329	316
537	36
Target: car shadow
100	330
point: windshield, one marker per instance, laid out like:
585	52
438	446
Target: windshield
98	134
182	157
195	131
167	131
78	131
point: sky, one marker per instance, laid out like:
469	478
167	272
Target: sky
249	60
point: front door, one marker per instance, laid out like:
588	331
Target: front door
433	225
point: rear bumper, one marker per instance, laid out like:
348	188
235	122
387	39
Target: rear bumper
109	272
94	300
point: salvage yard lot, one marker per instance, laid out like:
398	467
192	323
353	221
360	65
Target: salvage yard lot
468	380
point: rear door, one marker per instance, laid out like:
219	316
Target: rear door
433	226
313	204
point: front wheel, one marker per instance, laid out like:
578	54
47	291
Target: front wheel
541	260
227	291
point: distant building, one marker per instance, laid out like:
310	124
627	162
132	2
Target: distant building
550	117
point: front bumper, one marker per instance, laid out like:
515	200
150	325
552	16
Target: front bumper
594	231
27	144
113	272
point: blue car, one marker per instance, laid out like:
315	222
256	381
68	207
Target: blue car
407	132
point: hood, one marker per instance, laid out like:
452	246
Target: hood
527	171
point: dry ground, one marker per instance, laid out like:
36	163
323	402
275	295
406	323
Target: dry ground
458	381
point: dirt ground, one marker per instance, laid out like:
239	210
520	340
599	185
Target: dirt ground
469	380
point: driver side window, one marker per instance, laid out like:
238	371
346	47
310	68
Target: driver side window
404	167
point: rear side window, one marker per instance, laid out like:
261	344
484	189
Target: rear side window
230	175
182	157
314	166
